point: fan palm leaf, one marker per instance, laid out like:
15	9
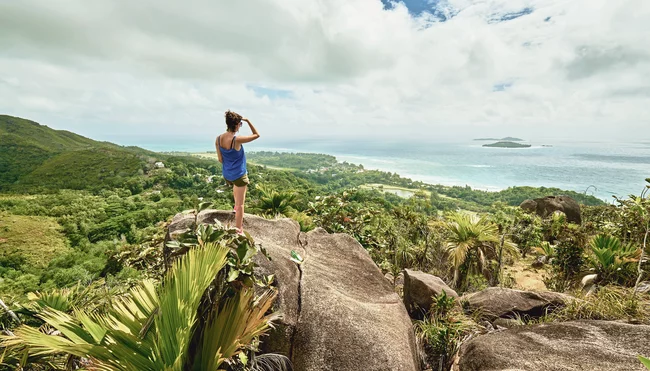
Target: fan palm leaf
152	329
274	202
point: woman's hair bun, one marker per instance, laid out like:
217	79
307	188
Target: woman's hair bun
232	120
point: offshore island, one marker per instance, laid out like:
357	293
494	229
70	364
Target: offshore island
504	144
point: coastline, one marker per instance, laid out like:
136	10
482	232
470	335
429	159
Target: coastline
429	179
370	164
573	168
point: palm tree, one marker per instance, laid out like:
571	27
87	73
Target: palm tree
158	329
272	202
471	244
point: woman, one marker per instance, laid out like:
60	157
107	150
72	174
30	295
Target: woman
231	155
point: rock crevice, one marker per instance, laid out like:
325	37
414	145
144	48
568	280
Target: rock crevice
302	241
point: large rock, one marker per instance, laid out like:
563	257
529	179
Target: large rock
497	302
351	318
563	346
420	288
546	206
340	313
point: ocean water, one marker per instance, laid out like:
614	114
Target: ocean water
597	168
601	169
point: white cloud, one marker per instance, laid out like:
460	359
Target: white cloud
162	70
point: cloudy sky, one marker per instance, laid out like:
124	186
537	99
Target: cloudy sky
147	71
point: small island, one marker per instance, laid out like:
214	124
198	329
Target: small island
512	139
506	139
507	145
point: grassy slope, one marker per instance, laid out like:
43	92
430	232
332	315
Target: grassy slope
24	145
392	189
36	135
34	156
36	238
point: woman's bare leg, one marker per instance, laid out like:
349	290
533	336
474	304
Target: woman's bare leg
240	197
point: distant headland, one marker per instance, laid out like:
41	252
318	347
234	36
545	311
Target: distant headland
506	144
506	139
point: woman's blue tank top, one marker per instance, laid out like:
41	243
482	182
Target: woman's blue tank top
234	161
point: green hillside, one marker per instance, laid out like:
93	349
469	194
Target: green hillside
83	169
41	136
18	156
34	157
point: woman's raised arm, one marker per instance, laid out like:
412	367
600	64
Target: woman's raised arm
248	138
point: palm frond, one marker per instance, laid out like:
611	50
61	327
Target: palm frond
116	340
240	319
458	252
180	298
55	299
645	362
271	362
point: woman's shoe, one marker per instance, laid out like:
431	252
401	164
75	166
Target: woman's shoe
241	232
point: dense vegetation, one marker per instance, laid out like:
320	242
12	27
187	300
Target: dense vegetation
507	145
298	161
82	224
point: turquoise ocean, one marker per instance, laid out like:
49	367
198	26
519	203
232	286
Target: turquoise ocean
602	169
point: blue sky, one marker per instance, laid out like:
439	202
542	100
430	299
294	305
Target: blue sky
164	71
271	93
414	6
444	10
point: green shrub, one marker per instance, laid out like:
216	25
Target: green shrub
440	333
12	261
569	255
18	283
305	221
546	249
527	232
442	305
69	276
613	261
476	282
